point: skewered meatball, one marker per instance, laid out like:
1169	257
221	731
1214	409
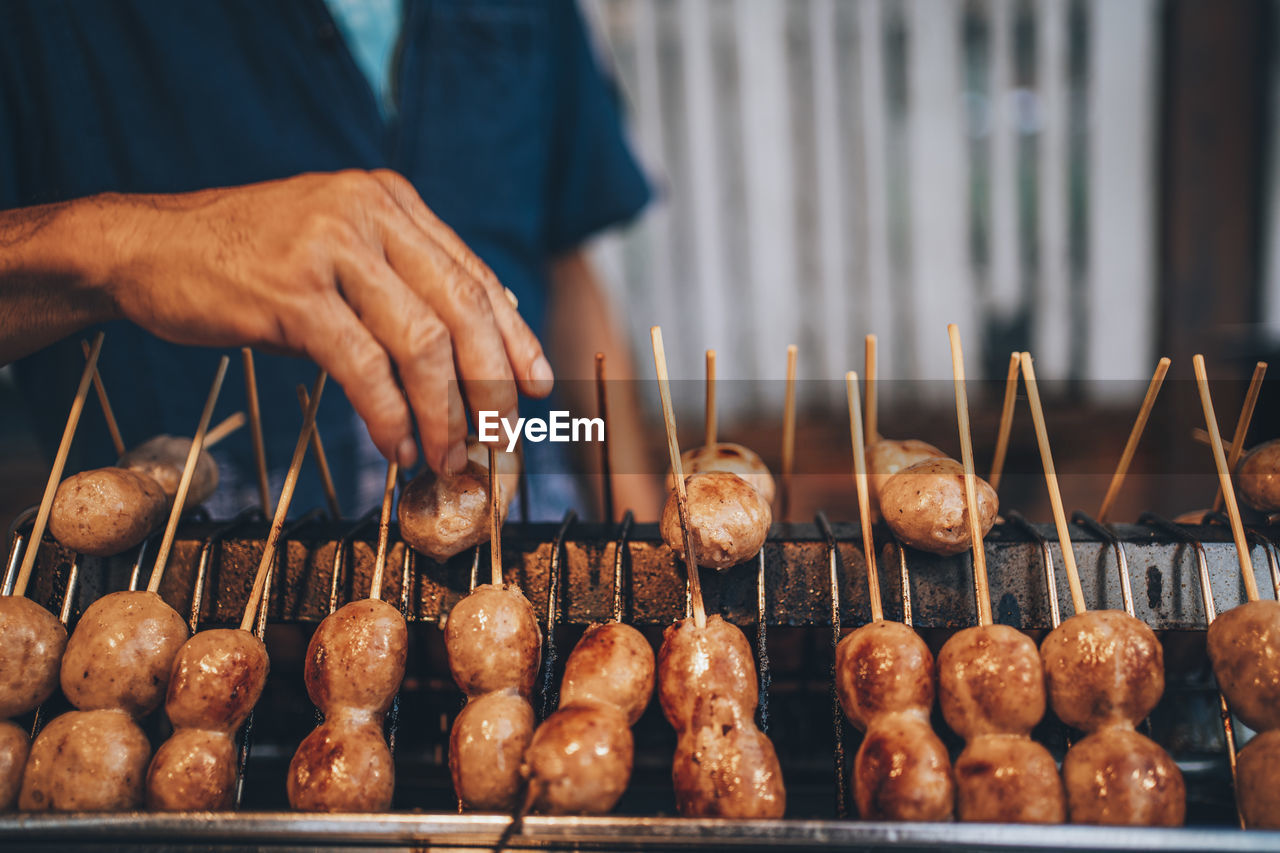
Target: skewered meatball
1118	777
883	666
611	665
990	681
733	458
493	641
194	770
442	517
902	770
86	761
728	519
217	678
1244	647
163	458
106	511
33	641
1103	667
579	761
14	747
716	660
924	504
1008	778
121	653
1258	476
1258	781
887	457
724	766
356	657
486	748
344	765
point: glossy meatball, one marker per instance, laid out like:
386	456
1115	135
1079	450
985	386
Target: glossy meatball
163	459
724	767
217	678
33	641
493	641
612	664
728	520
990	681
356	657
87	761
1258	476
714	661
14	747
887	457
902	770
1244	647
925	506
194	770
579	761
1118	777
883	666
344	765
444	516
1258	781
1008	779
106	511
725	456
486	750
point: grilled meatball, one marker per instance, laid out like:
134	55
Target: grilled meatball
1118	777
1103	668
728	519
444	516
493	641
86	761
194	770
887	457
579	761
1258	476
486	748
217	678
883	666
106	511
733	458
1258	781
692	663
611	665
163	459
724	766
344	765
924	504
990	681
14	747
902	770
356	657
1008	778
33	641
1244	647
121	653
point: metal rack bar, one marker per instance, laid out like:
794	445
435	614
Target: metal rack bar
843	795
554	582
16	540
763	674
620	551
1097	528
1046	560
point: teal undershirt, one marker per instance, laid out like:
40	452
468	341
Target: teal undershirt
371	29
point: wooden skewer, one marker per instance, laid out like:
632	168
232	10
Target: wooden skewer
495	519
109	416
384	526
677	471
1242	425
606	467
864	499
59	463
789	432
322	461
188	473
1006	422
982	590
1201	435
1135	435
282	505
255	429
224	428
869	368
1051	479
711	399
1224	479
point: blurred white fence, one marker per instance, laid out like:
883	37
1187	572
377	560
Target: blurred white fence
829	168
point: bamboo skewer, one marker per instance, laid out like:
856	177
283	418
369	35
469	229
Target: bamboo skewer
869	368
677	471
117	440
188	473
282	505
495	519
1224	479
1051	479
59	463
223	428
384	527
1242	425
981	588
788	433
1135	435
606	466
322	461
864	499
1006	422
1201	435
255	429
711	414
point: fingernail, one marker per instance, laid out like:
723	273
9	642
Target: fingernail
540	374
406	452
457	459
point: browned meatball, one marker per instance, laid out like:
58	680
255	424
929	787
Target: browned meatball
733	458
883	666
493	641
1008	779
887	457
902	770
728	519
1258	476
924	504
194	770
106	511
724	766
1103	667
33	640
163	458
121	653
344	765
1244	647
579	761
356	657
1258	781
486	749
1117	777
990	681
14	747
441	517
86	761
716	660
613	665
217	678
